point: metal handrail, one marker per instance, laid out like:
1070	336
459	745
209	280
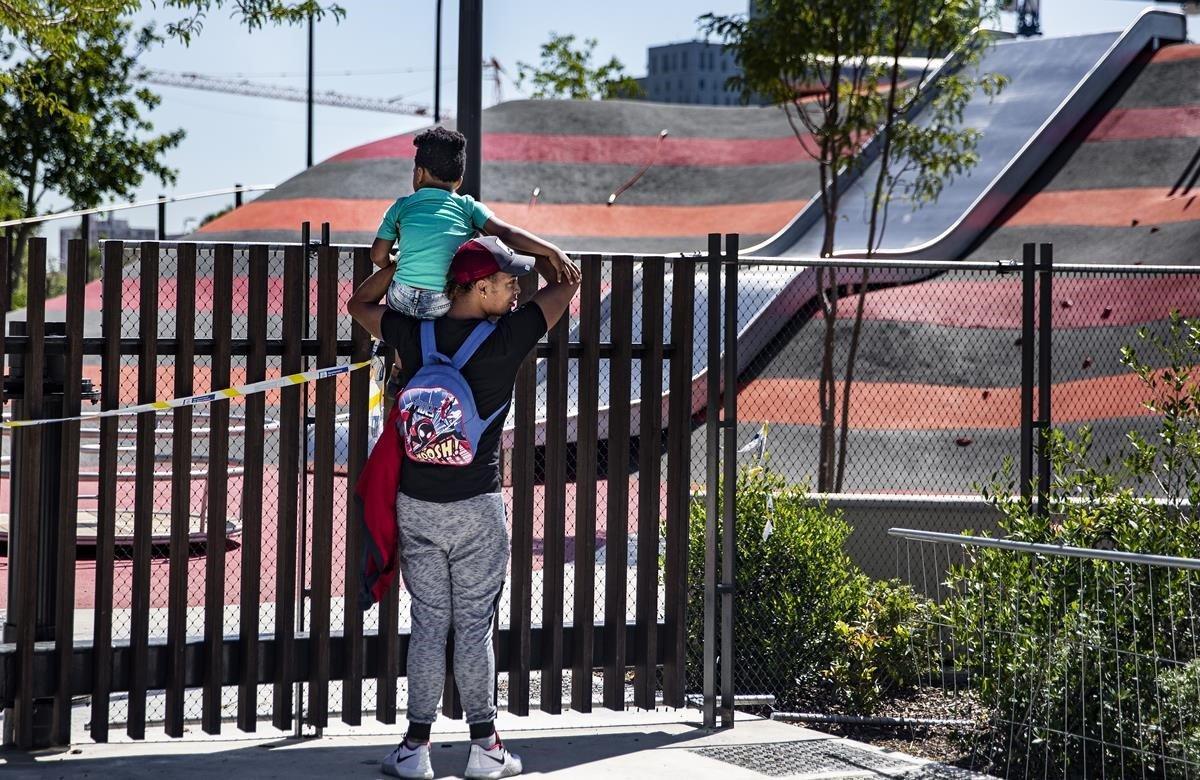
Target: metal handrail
1115	556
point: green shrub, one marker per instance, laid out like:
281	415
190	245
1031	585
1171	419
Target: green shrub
886	648
1065	646
809	626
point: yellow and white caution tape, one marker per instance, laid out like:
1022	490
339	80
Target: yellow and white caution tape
204	398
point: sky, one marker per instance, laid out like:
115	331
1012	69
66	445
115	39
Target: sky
385	49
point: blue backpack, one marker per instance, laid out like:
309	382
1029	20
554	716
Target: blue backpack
439	422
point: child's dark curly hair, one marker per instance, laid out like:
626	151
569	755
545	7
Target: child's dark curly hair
442	152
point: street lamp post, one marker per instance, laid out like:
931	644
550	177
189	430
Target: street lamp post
470	89
437	65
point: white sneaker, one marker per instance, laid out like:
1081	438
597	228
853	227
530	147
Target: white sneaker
493	763
409	762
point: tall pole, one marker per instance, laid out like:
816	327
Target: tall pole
309	158
470	89
437	65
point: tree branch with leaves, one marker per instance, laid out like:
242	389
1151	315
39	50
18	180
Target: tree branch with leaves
566	71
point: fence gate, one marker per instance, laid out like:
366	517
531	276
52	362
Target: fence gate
213	576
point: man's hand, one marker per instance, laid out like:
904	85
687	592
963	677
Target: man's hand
564	268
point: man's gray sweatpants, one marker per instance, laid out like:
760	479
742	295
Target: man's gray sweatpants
453	557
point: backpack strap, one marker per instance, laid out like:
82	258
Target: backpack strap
429	352
491	418
473	343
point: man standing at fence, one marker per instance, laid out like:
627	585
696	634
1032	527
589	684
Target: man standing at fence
453	532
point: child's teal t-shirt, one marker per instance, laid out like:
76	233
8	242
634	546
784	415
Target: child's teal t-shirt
431	223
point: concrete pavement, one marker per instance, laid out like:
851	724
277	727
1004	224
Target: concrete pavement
661	743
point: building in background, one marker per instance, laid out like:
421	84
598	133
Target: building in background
694	72
100	229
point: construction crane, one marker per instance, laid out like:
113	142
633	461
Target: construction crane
230	86
273	92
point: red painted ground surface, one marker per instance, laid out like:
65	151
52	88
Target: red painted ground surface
938	407
611	149
1079	302
580	220
159	567
1106	207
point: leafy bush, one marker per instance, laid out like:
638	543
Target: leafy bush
809	626
885	648
1080	661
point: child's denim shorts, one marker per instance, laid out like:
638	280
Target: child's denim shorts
417	303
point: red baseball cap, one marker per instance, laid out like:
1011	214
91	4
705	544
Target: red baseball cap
481	257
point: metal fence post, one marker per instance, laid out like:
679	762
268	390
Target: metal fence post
712	475
1028	278
38	384
729	520
1045	329
162	218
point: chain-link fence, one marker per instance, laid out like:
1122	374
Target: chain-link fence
898	403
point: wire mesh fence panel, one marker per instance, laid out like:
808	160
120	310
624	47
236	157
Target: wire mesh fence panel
1101	320
1064	665
865	393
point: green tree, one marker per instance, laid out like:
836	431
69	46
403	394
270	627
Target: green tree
840	69
41	29
107	156
567	72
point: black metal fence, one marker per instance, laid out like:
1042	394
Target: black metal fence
216	573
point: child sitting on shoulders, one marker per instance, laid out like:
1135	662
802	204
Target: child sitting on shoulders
435	220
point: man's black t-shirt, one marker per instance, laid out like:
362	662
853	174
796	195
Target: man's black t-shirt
490	373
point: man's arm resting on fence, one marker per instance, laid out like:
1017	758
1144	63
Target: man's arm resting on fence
560	288
364	306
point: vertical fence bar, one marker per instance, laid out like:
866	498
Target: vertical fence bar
143	488
616	559
23	588
649	467
218	494
712	471
521	607
1028	279
68	498
728	515
181	488
303	594
555	515
583	636
294	314
252	491
679	481
1045	355
5	302
322	529
106	486
360	392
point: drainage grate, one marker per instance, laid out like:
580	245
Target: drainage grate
780	759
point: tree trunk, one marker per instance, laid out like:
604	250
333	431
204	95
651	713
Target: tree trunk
876	203
845	426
